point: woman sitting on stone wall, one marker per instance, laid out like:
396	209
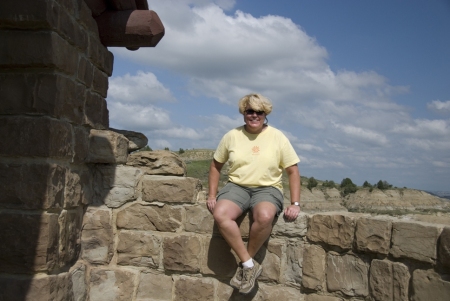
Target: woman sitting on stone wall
257	154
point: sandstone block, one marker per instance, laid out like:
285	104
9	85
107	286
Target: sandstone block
34	186
381	276
400	279
28	15
297	228
69	236
41	94
170	189
293	270
220	259
78	278
163	218
69	28
202	288
444	248
112	284
39	287
199	219
347	274
429	285
314	297
97	236
85	71
182	253
29	242
270	256
81	146
140	249
154	286
35	137
107	147
158	163
275	292
79	189
99	54
115	185
100	82
314	259
96	114
136	140
373	235
49	51
85	18
415	241
332	229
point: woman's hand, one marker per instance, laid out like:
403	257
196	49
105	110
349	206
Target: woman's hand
291	213
211	203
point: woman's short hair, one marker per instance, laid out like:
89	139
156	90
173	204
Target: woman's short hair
255	101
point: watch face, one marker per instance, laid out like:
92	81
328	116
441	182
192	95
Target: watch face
296	204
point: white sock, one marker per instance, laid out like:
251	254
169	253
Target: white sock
248	264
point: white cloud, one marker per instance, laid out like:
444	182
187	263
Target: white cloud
142	88
439	106
424	128
136	117
365	135
308	147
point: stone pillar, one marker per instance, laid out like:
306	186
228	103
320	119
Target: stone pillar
53	83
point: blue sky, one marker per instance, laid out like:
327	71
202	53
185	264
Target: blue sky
361	88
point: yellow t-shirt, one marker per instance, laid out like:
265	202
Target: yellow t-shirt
256	159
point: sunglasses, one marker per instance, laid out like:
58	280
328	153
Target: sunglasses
251	112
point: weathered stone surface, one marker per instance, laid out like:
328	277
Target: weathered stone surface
50	50
107	147
429	285
291	229
164	218
314	268
170	189
314	297
140	249
415	240
97	236
271	292
81	146
39	287
78	278
136	140
29	242
160	162
69	236
332	229
400	279
347	274
115	185
219	260
200	289
198	219
41	94
100	82
112	284
34	186
293	271
373	235
78	188
444	248
96	114
182	253
153	286
35	137
270	256
381	286
85	71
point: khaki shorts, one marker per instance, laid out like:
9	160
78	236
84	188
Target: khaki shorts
247	198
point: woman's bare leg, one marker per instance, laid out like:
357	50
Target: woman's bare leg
263	216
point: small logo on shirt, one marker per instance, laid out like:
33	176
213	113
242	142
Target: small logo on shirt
255	149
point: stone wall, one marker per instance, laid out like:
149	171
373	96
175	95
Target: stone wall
159	242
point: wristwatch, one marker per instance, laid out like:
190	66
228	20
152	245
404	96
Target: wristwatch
296	204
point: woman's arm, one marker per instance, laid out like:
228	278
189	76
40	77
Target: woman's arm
292	211
213	183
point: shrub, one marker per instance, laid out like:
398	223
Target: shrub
347	186
312	183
